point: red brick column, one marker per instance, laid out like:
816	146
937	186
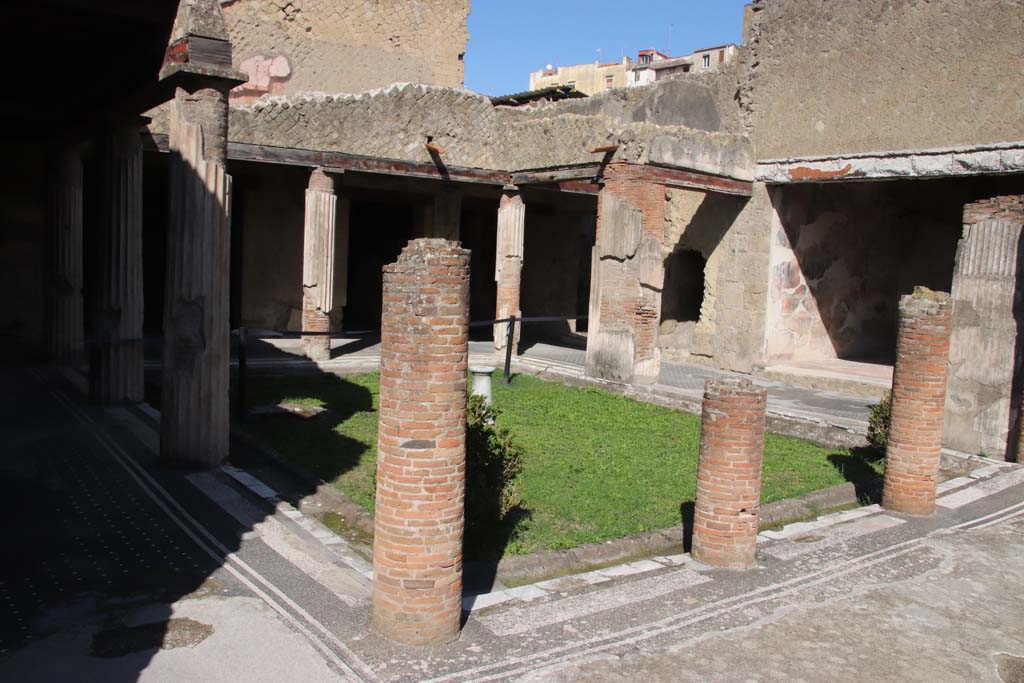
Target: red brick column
729	474
918	403
622	343
421	461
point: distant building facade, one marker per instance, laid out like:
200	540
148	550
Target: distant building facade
590	79
649	66
652	65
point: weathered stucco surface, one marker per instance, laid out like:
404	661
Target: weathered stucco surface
985	361
291	46
842	254
830	77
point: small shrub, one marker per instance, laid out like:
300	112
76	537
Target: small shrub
493	462
879	421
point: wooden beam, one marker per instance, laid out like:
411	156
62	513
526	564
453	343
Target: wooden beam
436	149
587	173
604	149
340	161
676	177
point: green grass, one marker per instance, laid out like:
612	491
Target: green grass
597	466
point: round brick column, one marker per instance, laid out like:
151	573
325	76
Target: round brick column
918	403
729	474
421	452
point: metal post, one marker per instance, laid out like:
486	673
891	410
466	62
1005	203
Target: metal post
242	410
509	342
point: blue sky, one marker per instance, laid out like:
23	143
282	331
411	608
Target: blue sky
510	38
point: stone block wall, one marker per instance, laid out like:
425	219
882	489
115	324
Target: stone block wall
292	46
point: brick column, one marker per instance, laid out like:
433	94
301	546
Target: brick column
318	265
194	424
729	474
116	367
508	262
65	331
421	461
628	276
918	402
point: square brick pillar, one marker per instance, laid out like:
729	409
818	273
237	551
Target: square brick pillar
116	366
194	424
728	506
318	251
65	333
421	452
508	262
918	401
985	356
628	276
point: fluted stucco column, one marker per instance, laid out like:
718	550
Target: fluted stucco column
195	408
508	262
65	336
116	367
318	265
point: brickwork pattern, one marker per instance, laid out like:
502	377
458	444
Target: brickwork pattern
421	462
727	510
919	395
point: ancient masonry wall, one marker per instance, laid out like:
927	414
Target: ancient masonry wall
826	77
290	46
983	401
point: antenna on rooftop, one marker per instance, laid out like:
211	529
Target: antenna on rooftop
668	48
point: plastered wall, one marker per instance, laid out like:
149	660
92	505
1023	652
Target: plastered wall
290	46
828	77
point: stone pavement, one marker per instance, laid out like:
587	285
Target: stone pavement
117	569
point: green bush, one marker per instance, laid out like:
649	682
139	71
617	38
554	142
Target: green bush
879	421
493	462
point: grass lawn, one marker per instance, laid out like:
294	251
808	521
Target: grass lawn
597	466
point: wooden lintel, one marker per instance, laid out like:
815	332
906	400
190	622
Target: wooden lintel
674	177
436	149
587	173
339	161
604	149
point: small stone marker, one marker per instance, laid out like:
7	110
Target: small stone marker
421	462
914	454
729	474
482	382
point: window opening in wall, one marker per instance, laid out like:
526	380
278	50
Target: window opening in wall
707	61
609	82
721	56
683	295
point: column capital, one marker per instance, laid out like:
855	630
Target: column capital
321	180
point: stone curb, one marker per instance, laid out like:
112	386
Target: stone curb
527	568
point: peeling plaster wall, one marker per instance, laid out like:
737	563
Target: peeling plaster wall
291	46
831	77
842	254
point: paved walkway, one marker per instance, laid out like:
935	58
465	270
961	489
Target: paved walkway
117	569
677	380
